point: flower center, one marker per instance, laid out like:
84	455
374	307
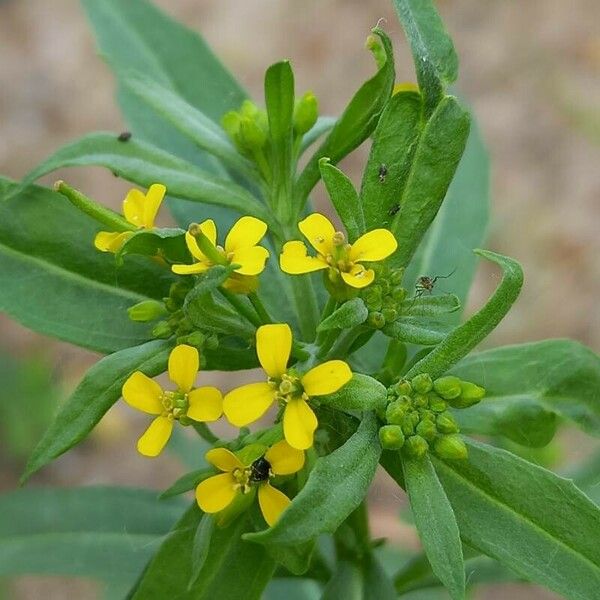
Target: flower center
339	258
288	387
175	405
258	472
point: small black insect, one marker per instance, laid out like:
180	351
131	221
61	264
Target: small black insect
260	469
394	210
125	136
426	283
383	171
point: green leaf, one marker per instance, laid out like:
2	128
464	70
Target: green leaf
335	487
360	393
433	52
144	164
344	199
539	380
356	123
96	393
101	532
436	524
323	125
54	281
187	482
348	315
459	226
415	330
187	119
430	306
526	517
394	143
465	337
167	243
201	546
233	569
436	157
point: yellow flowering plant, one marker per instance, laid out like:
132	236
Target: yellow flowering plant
366	360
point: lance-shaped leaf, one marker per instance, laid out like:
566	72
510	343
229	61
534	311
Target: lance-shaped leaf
436	524
414	330
344	198
350	314
433	52
336	485
394	144
360	393
187	482
233	568
144	164
322	126
465	337
96	393
436	157
430	306
528	385
356	123
54	281
101	532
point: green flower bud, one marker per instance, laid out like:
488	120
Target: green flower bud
306	112
388	302
395	412
403	388
251	135
374	45
179	290
145	311
249	110
376	320
416	446
448	387
470	394
445	423
196	339
422	383
385	286
451	447
231	124
408	425
172	305
162	330
399	295
212	342
396	276
391	437
437	405
389	314
372	298
421	400
426	429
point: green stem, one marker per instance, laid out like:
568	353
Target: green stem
242	308
205	433
330	307
394	360
263	165
259	307
353	539
307	309
344	342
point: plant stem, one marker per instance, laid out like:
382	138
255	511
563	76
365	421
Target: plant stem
259	307
330	306
205	433
307	309
344	342
393	362
242	308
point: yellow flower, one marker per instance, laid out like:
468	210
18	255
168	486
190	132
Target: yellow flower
291	390
240	248
218	492
185	405
334	253
140	210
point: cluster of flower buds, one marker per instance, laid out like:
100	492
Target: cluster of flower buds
418	419
384	298
247	127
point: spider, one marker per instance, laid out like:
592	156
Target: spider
426	283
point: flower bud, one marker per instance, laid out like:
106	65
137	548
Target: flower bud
436	404
448	387
421	400
396	276
145	311
231	124
376	320
445	423
306	112
372	298
389	314
403	388
196	339
252	137
212	342
470	394
399	295
395	412
416	446
422	383
162	330
391	437
426	429
374	45
408	425
451	447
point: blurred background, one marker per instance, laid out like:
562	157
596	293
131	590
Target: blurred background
530	71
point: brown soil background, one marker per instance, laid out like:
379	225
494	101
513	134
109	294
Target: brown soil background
529	69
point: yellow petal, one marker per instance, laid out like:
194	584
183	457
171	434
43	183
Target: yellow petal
156	437
143	393
216	493
319	231
248	403
192	245
241	284
223	459
405	86
108	241
299	424
184	362
273	346
293	259
245	233
284	459
198	267
373	246
154	197
326	378
251	260
359	277
206	404
133	207
272	503
209	229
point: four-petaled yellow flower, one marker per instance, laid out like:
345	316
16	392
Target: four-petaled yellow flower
291	390
187	404
140	210
218	492
240	248
335	253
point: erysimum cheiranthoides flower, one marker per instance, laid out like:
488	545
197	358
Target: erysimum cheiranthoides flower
241	248
335	253
185	405
139	210
289	388
243	477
